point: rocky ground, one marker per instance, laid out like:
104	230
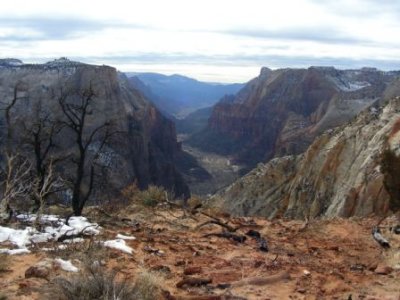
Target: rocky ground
322	259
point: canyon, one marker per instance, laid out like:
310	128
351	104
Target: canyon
281	111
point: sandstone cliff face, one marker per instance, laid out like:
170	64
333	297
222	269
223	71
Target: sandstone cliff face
145	148
281	112
339	174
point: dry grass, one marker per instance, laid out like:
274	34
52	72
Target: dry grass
194	201
98	283
151	197
87	252
94	283
148	285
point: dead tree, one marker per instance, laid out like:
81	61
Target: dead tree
16	183
16	168
43	187
39	135
76	107
7	108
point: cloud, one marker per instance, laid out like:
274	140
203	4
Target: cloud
41	28
320	34
208	36
273	61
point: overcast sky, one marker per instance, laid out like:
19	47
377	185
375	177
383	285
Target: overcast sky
213	40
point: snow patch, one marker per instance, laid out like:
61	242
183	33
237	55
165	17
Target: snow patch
22	238
118	244
14	251
348	84
125	237
66	265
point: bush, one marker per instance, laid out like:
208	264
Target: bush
194	201
152	196
147	286
149	198
97	283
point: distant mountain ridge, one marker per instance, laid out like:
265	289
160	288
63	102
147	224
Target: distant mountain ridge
178	95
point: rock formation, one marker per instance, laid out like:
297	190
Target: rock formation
340	174
281	112
144	148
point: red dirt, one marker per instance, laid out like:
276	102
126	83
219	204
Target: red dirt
327	259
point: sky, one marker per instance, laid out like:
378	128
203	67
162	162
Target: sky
211	40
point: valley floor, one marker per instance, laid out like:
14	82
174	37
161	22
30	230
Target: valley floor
324	259
220	168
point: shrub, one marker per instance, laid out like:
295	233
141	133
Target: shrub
94	283
97	283
194	201
147	286
149	198
152	196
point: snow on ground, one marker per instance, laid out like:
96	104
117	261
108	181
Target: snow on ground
22	238
119	244
125	237
18	237
54	228
14	251
66	265
348	85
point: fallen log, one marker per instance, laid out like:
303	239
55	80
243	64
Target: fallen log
218	222
193	282
259	281
228	235
67	236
